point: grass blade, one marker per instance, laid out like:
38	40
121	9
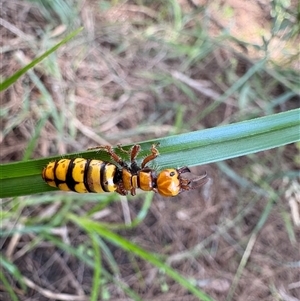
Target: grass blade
5	84
95	227
190	149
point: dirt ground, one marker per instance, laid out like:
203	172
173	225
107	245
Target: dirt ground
205	234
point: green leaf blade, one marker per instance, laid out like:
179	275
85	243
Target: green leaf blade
9	81
189	149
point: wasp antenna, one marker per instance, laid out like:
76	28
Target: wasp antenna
183	169
199	181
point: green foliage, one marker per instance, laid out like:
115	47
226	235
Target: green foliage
194	148
9	81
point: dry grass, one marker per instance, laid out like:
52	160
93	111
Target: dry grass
136	79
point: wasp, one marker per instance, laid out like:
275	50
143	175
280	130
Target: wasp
89	175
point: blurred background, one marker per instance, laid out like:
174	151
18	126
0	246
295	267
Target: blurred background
141	70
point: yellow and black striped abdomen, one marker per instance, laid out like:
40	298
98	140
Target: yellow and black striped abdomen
81	175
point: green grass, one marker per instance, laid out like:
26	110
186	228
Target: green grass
194	148
249	106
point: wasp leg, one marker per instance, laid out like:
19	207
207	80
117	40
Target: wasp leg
100	147
152	156
119	145
133	191
134	152
114	157
121	190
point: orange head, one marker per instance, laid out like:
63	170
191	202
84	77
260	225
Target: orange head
170	181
